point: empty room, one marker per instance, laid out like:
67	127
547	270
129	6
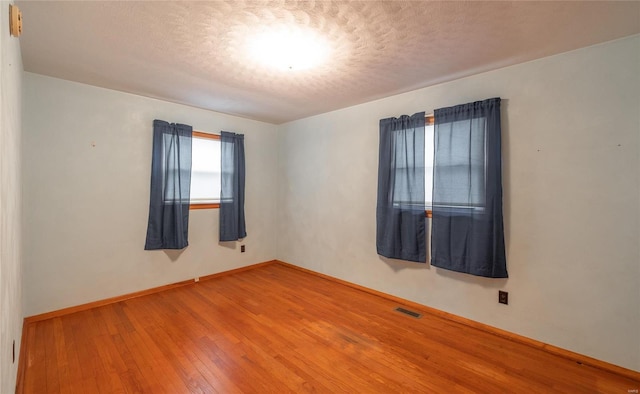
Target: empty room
319	196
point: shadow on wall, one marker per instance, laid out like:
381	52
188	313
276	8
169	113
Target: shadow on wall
173	254
229	244
399	265
487	283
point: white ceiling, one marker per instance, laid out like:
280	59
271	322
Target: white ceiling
192	52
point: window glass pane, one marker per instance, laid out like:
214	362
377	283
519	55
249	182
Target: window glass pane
205	171
460	174
407	166
428	164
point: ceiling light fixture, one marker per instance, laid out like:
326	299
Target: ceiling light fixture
288	48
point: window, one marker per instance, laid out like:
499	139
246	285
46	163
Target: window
205	171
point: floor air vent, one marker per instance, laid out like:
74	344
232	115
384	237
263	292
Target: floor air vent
408	312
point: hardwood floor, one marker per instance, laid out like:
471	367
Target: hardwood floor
275	329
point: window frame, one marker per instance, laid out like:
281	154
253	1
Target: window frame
203	135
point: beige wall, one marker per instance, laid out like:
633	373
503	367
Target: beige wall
87	165
10	202
571	128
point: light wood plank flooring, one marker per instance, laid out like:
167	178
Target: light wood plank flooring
275	329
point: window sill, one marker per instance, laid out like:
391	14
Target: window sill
204	206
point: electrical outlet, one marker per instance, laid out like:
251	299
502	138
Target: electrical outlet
503	297
242	249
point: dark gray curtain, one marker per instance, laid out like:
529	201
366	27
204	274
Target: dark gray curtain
467	233
232	225
170	185
400	216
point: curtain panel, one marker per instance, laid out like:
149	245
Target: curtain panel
232	223
168	224
467	232
400	216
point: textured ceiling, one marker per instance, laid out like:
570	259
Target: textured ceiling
193	52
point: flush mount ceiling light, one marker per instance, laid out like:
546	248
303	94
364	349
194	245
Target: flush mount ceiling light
288	48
